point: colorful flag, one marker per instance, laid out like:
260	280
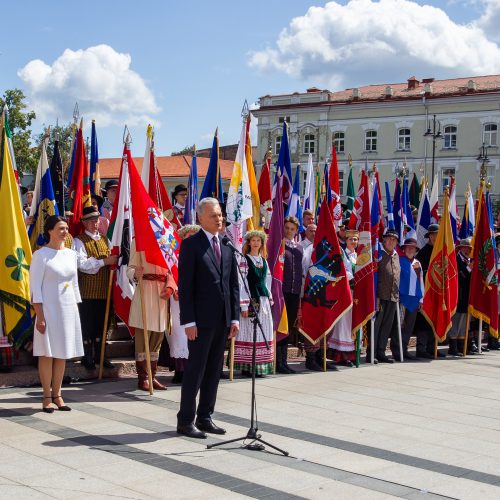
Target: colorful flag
8	131
351	195
364	285
469	219
327	295
375	221
43	204
334	182
397	211
192	197
254	221
265	194
15	250
294	208
453	209
79	191
310	190
381	225
411	286
415	191
95	176
153	183
56	175
318	190
406	212
212	187
284	165
276	260
390	215
483	298
423	217
434	200
441	281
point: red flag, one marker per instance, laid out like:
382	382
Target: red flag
381	224
265	194
441	281
364	293
327	295
334	181
151	178
79	190
483	298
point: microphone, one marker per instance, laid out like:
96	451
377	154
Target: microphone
228	243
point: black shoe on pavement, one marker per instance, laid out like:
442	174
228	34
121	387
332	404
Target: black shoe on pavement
369	361
190	430
88	363
209	426
408	357
385	359
224	375
107	363
424	355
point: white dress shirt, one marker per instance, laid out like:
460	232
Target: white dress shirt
86	264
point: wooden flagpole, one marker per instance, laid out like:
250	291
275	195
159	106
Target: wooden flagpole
231	359
480	337
358	346
105	326
435	348
400	336
274	355
145	329
372	341
324	353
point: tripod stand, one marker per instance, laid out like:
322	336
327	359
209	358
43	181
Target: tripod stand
257	443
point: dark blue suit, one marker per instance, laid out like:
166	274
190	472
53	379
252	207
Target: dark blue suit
209	297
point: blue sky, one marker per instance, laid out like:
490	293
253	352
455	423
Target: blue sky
192	60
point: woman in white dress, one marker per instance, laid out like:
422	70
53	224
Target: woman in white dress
54	296
341	340
258	278
177	339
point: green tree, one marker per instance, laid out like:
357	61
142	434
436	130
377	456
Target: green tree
187	150
20	123
65	135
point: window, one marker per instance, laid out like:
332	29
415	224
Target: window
371	140
447	174
282	119
490	134
309	143
404	139
450	137
338	141
341	182
277	145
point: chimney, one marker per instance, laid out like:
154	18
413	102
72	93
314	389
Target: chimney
412	83
389	92
356	94
471	86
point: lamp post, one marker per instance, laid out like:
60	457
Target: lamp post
433	134
483	158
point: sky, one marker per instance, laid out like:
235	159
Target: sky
187	67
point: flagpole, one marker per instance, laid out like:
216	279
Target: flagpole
372	340
145	330
324	353
400	336
105	326
466	337
231	360
274	354
358	347
479	337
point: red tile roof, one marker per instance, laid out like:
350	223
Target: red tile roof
169	166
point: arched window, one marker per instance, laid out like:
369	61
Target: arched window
309	142
450	137
490	134
339	141
404	139
371	140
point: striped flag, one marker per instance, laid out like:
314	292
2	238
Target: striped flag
254	221
334	182
310	190
469	218
192	197
411	286
434	200
95	176
294	208
390	215
423	217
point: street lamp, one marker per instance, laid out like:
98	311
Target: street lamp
433	134
483	158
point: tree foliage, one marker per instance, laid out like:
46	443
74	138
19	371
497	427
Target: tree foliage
20	123
65	136
187	150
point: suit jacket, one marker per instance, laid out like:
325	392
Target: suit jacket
207	292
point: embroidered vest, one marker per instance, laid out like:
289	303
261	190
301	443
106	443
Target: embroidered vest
94	286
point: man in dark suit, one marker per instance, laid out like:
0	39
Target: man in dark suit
210	310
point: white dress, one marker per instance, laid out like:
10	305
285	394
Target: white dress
177	340
54	284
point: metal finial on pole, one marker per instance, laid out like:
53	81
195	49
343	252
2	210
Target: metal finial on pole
349	160
76	113
127	138
245	111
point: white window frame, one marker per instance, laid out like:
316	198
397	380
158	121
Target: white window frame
309	143
446	174
490	137
339	142
277	144
371	140
449	136
405	139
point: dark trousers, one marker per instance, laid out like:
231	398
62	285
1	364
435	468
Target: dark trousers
92	312
383	327
406	331
202	373
425	335
292	302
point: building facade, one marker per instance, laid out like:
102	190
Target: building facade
392	125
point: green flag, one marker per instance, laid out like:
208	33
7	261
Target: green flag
351	196
415	192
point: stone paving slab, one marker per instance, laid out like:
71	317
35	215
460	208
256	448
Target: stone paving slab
419	430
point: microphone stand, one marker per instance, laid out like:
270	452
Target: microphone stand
257	443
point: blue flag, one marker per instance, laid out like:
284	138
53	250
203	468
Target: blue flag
397	212
390	215
410	285
294	207
284	165
212	187
94	161
424	217
192	197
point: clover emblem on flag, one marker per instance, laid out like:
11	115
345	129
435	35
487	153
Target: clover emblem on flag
17	262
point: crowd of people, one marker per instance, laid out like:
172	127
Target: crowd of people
211	303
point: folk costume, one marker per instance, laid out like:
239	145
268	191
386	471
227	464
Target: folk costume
177	207
158	285
258	279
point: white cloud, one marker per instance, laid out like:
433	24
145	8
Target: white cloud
366	41
489	22
99	78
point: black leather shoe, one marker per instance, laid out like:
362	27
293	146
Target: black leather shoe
369	361
385	359
209	426
408	357
190	430
424	355
107	364
224	375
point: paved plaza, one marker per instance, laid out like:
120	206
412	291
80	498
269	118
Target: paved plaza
412	430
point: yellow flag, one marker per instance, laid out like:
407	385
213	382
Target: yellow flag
254	222
15	249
